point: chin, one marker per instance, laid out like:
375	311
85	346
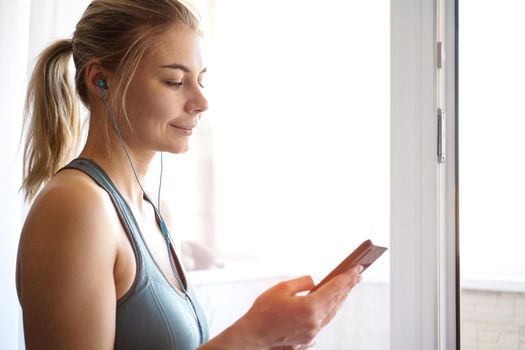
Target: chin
177	149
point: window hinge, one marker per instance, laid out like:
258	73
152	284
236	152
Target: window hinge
440	54
441	137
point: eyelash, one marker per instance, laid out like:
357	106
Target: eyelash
172	83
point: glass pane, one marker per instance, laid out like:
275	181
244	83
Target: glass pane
492	190
299	96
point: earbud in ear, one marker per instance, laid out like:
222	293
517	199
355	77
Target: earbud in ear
102	85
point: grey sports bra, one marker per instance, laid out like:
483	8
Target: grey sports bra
152	314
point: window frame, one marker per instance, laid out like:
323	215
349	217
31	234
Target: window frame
424	240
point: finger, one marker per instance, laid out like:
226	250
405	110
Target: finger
310	344
340	284
297	285
332	308
330	315
304	346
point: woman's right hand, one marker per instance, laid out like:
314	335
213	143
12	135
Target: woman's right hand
279	317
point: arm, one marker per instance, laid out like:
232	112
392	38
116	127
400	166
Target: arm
279	317
67	252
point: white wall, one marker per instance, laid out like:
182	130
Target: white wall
26	27
14	29
492	320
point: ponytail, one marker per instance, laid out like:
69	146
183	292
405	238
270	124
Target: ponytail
116	33
52	112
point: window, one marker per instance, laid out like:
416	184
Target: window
492	190
300	128
299	125
343	172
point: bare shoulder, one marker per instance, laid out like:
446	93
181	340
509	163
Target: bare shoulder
71	208
67	252
72	190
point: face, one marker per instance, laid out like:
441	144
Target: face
165	99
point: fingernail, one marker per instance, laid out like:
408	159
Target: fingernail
360	268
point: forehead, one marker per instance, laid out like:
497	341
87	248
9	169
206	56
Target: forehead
181	45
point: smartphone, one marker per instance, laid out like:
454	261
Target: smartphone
363	255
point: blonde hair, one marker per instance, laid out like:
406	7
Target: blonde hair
115	33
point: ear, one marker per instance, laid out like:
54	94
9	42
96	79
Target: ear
95	72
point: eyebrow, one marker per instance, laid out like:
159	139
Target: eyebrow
181	67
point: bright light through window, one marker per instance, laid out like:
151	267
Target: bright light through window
491	141
300	112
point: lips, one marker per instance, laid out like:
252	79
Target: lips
183	127
187	129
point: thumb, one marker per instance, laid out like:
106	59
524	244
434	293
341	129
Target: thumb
301	284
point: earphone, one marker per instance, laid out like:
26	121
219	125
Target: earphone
102	85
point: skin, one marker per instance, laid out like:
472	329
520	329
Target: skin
75	260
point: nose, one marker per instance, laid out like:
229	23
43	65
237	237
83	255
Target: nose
197	103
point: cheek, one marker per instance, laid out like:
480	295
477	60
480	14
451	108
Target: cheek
162	105
136	101
141	103
151	104
152	113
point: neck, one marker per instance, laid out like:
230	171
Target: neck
113	159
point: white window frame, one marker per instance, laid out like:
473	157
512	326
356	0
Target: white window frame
423	191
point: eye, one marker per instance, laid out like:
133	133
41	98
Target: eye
201	80
174	83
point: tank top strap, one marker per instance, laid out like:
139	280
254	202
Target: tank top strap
98	175
151	297
147	267
95	172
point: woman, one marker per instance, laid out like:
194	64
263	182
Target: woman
96	267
